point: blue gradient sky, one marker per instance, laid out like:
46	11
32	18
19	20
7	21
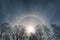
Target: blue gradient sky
48	8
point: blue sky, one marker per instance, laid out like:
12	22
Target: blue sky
11	8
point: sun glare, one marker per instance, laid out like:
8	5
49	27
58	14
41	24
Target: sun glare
30	30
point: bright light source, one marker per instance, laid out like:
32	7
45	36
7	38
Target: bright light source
29	30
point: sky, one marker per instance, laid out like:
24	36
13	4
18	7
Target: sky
9	9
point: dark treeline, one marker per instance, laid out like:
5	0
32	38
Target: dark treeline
6	32
56	29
